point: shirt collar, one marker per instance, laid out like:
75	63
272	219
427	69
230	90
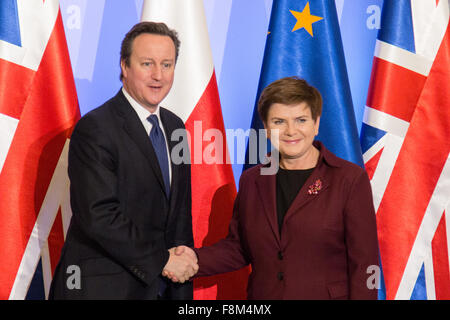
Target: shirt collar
142	113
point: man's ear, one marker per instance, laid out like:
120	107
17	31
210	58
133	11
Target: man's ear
123	66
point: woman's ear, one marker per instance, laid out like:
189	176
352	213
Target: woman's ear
316	125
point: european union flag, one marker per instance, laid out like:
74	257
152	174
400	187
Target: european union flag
304	40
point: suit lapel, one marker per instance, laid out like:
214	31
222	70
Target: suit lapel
134	128
168	129
266	187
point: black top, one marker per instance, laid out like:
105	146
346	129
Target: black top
289	183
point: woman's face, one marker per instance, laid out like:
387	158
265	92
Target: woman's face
296	129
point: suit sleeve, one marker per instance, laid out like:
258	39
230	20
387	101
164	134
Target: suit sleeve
228	254
184	236
361	238
97	209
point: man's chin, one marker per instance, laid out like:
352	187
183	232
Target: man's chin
156	98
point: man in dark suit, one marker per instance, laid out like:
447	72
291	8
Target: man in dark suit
130	202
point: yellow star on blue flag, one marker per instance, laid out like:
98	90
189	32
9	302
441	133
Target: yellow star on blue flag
291	51
305	19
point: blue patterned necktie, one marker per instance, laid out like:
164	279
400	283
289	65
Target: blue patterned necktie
159	144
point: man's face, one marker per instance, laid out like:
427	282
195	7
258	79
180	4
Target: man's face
150	73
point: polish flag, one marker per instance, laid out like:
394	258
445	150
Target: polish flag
195	99
38	110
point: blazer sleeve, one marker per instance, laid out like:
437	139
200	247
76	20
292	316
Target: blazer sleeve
228	254
184	236
361	238
96	206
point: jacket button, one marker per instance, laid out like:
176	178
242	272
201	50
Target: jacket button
280	276
280	255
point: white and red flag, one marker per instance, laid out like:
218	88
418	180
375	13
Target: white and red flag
406	143
38	110
195	99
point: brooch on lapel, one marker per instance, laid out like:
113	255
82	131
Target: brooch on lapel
315	187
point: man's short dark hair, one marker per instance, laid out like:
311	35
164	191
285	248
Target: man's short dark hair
158	28
289	91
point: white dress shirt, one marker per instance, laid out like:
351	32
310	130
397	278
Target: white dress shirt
143	114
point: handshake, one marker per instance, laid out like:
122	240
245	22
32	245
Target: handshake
182	264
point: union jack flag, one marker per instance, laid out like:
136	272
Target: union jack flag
38	109
405	141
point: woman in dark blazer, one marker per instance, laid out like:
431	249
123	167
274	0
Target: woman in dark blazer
308	231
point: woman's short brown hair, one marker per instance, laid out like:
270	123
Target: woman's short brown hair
289	91
158	28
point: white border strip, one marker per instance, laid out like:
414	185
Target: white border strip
430	24
42	227
403	58
8	126
385	122
37	20
422	245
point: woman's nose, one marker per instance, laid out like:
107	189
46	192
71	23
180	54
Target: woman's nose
290	129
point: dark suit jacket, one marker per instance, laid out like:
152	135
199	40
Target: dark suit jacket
327	240
122	223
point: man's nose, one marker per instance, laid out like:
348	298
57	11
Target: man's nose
156	72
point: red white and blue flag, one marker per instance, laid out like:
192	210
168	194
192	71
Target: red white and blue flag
406	142
38	110
195	99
